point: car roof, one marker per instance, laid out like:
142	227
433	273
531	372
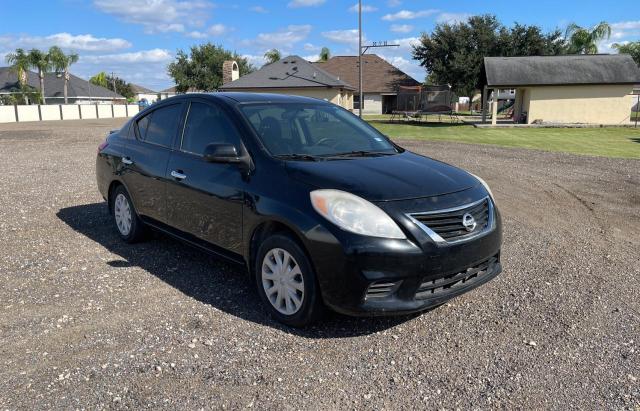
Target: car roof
246	97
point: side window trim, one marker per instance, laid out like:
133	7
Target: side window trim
184	127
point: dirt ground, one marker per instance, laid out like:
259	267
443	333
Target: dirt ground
89	322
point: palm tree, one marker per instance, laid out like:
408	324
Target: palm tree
583	40
61	63
42	62
272	56
19	61
325	54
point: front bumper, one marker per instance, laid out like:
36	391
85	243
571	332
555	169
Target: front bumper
375	276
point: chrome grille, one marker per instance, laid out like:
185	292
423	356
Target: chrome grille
433	287
448	226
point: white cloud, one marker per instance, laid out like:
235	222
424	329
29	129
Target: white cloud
409	66
401	28
365	8
82	42
213	31
622	33
453	18
349	37
409	15
281	39
305	3
143	56
407	43
258	9
394	3
158	15
311	47
256	60
312	57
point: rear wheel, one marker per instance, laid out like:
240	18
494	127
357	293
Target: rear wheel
126	220
286	282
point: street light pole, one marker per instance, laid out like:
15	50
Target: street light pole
360	95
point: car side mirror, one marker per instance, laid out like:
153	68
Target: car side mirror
221	153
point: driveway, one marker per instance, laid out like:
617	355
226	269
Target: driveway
87	321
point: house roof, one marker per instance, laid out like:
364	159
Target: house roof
379	76
138	89
561	70
54	85
289	72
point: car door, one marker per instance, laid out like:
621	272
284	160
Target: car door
205	199
147	159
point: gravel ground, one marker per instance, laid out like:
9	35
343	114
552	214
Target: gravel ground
89	322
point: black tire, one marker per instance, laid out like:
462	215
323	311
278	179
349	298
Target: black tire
137	229
312	308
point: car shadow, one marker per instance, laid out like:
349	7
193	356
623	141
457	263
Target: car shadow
210	280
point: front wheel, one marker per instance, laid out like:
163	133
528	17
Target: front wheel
126	220
286	282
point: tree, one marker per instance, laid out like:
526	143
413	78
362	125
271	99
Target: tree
325	54
20	63
99	79
61	63
633	49
523	40
272	56
113	83
201	69
40	61
454	53
584	41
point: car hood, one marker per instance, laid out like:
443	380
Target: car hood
396	177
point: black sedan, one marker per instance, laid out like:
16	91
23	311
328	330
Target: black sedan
321	208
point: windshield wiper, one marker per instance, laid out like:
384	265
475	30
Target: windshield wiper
295	156
362	153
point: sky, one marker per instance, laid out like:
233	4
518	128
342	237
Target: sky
136	39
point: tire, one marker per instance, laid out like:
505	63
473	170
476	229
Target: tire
128	225
297	280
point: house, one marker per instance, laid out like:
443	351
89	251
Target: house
143	93
381	80
168	92
294	75
589	89
78	90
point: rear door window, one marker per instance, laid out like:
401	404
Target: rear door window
161	126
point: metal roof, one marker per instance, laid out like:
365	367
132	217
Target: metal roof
561	70
289	72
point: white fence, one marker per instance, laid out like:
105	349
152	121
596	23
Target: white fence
12	114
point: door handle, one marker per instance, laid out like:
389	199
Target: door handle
177	175
127	161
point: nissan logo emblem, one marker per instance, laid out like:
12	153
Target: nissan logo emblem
469	222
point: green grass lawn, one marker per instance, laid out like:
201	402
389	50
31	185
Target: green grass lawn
608	142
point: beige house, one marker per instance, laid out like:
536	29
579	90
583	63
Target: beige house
294	75
575	89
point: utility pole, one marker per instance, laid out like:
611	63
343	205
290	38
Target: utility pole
113	80
360	94
361	50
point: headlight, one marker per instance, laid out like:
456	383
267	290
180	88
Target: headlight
486	186
354	214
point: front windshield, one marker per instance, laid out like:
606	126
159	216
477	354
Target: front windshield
314	130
